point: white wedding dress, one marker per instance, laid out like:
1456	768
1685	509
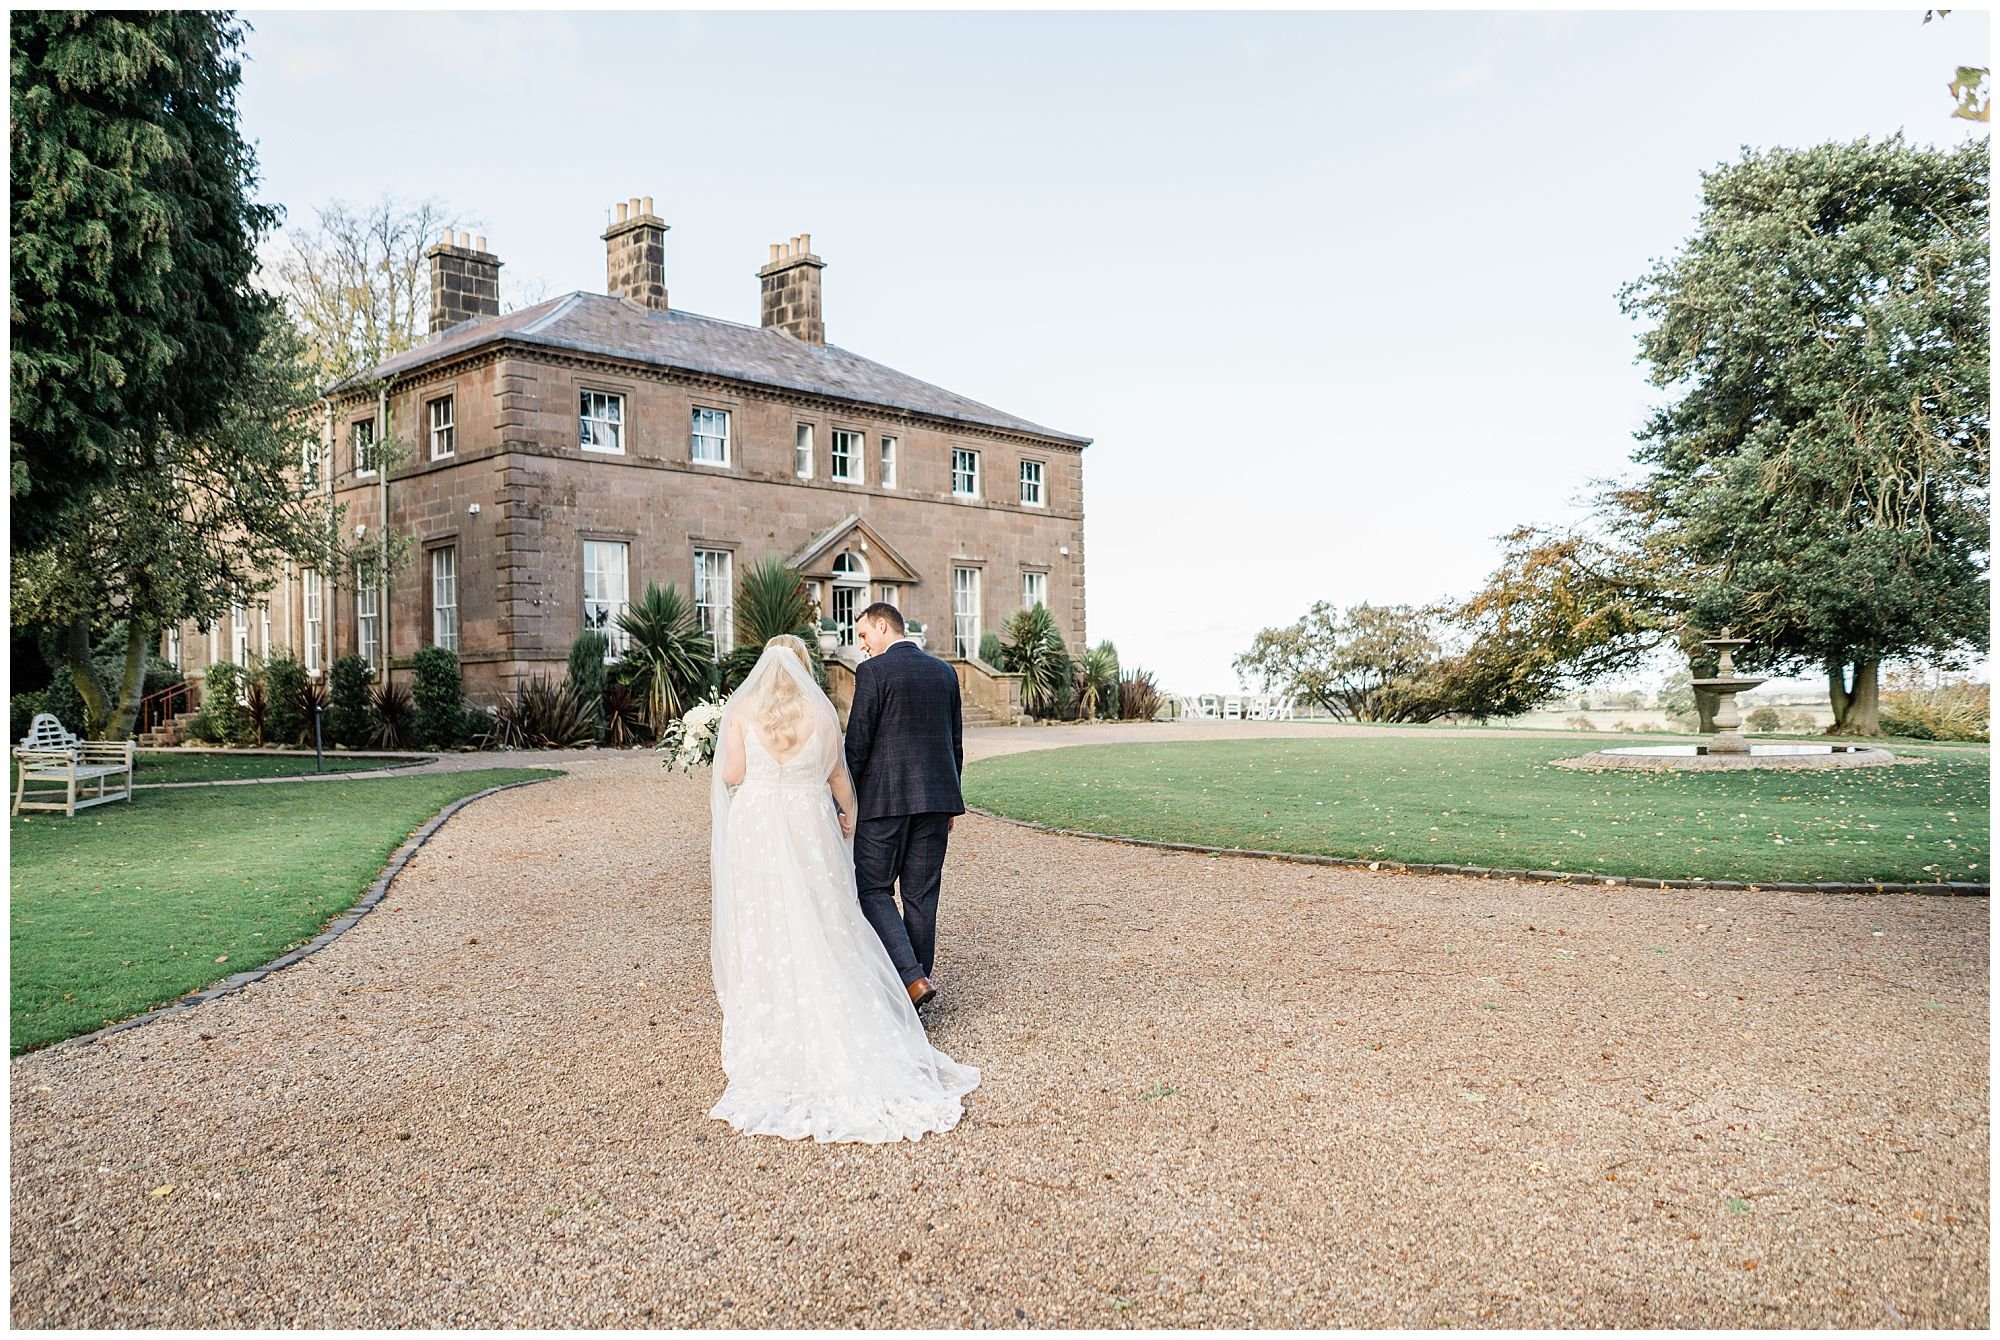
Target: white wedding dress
819	1037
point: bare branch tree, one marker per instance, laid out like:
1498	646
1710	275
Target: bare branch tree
357	283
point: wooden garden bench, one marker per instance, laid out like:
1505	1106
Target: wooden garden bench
60	765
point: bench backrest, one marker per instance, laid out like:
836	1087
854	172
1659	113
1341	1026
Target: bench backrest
45	732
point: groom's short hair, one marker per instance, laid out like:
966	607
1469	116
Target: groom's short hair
887	613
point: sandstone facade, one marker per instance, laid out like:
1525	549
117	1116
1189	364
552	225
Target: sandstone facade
489	421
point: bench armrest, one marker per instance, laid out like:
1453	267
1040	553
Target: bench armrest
106	751
45	758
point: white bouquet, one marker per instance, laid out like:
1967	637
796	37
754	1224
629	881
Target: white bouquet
690	742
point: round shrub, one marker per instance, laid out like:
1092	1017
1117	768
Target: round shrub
347	717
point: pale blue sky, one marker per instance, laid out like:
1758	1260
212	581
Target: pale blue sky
1334	293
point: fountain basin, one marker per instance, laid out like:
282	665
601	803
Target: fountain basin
1699	757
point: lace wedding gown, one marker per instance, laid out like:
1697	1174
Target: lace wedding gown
818	1037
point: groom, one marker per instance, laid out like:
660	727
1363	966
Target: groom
905	752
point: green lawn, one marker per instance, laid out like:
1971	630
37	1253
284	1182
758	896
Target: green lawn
1496	802
129	906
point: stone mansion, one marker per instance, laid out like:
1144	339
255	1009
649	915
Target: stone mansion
553	461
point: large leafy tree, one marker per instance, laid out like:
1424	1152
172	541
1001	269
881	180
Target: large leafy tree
187	526
1822	471
1371	663
134	239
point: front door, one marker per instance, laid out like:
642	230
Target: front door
846	604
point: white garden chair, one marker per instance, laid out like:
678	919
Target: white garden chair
59	764
1211	707
1232	708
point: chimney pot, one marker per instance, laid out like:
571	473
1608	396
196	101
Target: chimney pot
791	290
479	244
635	256
465	282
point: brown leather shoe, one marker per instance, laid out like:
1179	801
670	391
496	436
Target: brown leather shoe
921	992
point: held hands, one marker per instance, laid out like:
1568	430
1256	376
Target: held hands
847	823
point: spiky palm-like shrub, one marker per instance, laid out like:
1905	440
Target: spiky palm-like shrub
256	710
1138	695
1096	681
313	701
624	720
989	648
586	671
545	714
771	599
393	716
1031	646
669	653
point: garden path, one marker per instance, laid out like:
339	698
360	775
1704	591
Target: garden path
1218	1092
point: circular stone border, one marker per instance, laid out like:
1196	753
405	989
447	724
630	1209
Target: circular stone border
1952	890
355	911
1605	760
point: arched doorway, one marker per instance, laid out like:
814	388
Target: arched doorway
850	593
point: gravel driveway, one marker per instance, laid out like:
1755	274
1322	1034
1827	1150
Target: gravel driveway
1218	1092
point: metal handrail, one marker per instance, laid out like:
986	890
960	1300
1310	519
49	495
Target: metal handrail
157	709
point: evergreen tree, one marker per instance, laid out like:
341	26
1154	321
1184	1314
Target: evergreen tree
1824	469
134	240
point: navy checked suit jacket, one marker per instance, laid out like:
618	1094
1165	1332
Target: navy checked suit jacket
906	735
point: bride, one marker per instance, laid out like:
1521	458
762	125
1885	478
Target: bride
819	1037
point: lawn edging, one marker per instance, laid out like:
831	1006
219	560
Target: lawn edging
1949	890
355	911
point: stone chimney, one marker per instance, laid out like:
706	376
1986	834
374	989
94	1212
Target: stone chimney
791	290
635	254
465	280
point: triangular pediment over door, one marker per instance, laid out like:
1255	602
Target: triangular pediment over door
852	535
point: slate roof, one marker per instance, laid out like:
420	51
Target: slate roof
596	323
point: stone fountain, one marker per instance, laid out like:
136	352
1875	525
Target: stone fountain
1727	748
1725	684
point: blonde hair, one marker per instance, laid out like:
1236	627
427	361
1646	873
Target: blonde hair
781	708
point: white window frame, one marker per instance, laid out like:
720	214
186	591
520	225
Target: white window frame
239	634
607	591
717	617
310	452
802	451
315	597
368	619
590	410
264	627
1034	491
847	447
361	441
700	417
889	594
888	462
444	436
969	472
444	597
1034	589
174	646
965	623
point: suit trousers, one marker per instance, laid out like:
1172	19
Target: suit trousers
905	848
